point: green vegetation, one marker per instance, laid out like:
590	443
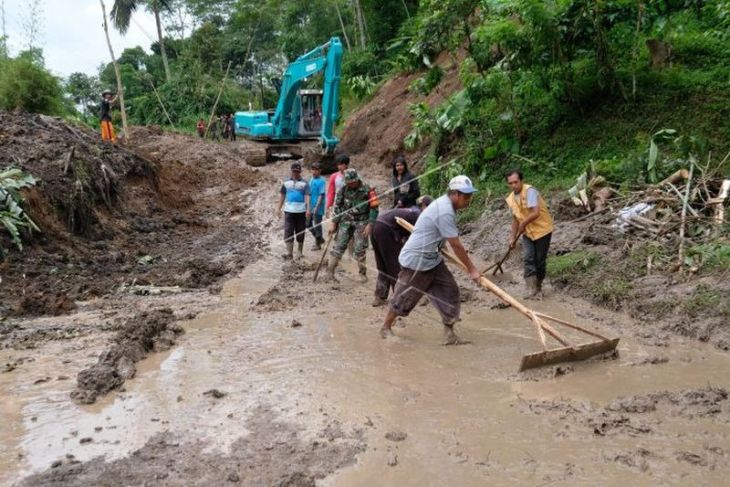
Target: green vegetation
612	292
562	267
550	86
704	299
26	84
12	216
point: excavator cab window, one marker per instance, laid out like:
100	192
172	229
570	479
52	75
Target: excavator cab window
310	123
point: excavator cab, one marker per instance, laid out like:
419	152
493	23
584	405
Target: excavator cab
310	119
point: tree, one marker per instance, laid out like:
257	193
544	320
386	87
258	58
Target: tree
120	87
84	92
121	15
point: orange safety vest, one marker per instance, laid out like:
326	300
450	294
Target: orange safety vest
539	227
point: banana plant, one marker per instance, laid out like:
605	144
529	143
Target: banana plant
12	217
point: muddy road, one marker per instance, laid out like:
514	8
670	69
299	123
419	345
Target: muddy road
279	381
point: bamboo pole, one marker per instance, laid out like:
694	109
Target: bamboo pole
685	204
120	88
161	104
217	99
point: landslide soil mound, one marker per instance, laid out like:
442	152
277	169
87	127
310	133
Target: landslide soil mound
375	132
165	210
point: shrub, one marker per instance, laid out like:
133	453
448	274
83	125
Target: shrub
26	84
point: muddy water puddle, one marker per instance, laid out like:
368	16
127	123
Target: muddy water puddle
458	413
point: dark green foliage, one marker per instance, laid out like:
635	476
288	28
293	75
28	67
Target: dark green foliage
551	85
26	84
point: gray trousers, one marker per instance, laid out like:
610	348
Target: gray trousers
534	254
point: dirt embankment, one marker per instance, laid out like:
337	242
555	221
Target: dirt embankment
374	134
591	260
164	210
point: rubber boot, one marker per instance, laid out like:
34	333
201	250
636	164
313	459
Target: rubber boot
378	302
317	245
538	287
331	266
289	251
363	273
300	250
531	284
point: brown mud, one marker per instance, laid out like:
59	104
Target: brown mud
163	210
146	332
281	381
697	307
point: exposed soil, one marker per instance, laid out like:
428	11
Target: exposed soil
374	134
165	210
273	453
665	303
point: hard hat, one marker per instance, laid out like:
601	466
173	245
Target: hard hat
351	175
106	92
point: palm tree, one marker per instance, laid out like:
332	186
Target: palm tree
121	15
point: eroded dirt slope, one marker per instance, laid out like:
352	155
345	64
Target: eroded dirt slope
164	210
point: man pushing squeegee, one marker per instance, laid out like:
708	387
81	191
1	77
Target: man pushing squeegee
424	272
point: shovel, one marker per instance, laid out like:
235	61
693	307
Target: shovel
324	254
566	353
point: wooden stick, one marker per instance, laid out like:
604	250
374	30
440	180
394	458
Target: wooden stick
499	292
685	204
159	100
571	325
324	254
217	99
540	333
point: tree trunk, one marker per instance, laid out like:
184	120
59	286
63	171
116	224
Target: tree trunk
342	24
360	22
163	53
120	88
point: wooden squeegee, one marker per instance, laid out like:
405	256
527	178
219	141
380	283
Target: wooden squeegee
566	353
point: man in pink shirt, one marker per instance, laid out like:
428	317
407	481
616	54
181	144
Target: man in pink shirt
336	181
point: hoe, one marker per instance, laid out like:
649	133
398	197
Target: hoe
566	353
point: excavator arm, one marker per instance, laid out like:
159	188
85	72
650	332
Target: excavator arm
327	57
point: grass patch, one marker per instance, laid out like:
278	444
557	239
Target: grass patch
564	266
612	292
704	300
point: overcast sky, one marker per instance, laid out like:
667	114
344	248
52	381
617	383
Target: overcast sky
72	36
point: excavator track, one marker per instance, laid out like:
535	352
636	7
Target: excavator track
261	153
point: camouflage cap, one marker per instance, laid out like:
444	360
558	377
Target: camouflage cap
351	176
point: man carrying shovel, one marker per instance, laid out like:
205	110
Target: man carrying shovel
532	220
423	270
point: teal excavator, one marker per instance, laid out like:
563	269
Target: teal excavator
301	114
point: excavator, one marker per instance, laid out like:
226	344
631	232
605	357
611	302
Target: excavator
302	116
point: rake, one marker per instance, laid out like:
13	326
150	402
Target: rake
566	353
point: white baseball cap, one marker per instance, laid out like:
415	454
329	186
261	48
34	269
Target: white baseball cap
462	184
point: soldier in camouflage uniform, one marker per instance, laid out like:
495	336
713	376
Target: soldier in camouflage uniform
356	209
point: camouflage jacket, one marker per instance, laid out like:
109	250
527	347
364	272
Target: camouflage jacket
355	205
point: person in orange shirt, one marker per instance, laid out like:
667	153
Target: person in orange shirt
532	220
107	129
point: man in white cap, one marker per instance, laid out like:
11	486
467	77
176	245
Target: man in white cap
423	270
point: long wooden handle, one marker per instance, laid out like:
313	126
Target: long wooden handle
499	292
324	254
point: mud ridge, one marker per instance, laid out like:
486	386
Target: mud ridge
148	331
